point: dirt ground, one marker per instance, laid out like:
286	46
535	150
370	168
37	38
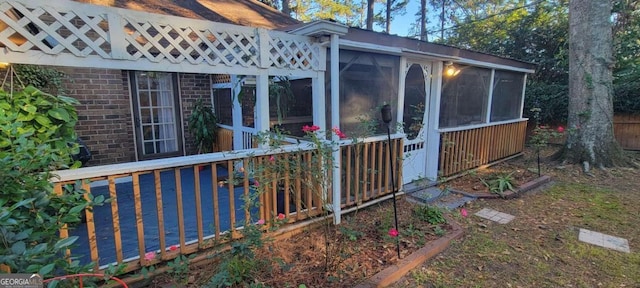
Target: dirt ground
539	248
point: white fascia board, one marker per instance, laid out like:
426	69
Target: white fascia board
434	56
368	47
321	28
493	65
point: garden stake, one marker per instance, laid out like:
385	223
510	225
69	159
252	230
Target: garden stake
386	118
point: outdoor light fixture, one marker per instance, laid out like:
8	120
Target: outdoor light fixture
450	70
4	65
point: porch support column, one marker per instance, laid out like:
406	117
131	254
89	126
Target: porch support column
432	134
401	93
236	112
335	122
262	105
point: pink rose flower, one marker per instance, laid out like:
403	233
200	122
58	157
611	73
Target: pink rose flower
173	248
463	212
560	129
339	133
280	216
272	158
260	222
307	128
393	232
150	256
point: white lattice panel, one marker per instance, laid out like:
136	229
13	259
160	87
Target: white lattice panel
68	30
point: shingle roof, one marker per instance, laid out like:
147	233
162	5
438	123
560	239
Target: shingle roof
240	12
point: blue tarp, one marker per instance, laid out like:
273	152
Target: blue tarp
126	212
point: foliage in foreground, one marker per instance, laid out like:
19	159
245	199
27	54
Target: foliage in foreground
37	137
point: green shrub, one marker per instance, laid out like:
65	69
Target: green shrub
431	214
37	137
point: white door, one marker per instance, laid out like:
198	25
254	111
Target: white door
416	106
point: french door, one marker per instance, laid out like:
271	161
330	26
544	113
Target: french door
156	112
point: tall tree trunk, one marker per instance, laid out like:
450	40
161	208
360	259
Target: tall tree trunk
423	20
370	4
591	141
388	20
286	8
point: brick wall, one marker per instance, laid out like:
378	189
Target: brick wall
104	113
193	86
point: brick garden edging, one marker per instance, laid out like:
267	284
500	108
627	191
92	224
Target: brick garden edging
393	273
526	187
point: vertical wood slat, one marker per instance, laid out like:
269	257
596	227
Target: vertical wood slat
247	206
138	212
64	230
319	187
379	167
309	183
298	186
117	237
348	176
180	207
387	169
372	170
198	198
287	187
274	188
232	204
160	211
91	228
356	178
216	205
365	166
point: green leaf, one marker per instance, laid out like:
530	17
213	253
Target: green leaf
18	247
23	235
44	121
59	113
39	248
65	242
77	209
30	108
45	270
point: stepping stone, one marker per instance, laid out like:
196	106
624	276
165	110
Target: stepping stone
604	240
427	195
496	216
454	203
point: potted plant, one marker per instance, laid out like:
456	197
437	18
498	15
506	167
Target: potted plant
203	126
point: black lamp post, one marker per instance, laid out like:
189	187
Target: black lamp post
386	118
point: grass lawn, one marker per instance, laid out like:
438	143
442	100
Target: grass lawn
540	247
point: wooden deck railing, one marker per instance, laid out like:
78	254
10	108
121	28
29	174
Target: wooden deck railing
187	204
466	149
366	170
